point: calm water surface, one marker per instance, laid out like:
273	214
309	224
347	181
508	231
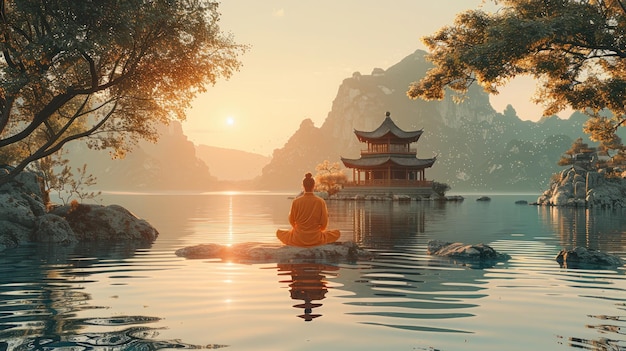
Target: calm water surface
146	298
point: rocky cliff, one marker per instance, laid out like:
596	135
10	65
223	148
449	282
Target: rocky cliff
478	149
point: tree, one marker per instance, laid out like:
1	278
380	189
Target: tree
440	188
578	148
108	71
57	176
329	177
574	48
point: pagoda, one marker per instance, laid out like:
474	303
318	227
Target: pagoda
389	164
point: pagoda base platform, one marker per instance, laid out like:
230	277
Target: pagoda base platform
363	192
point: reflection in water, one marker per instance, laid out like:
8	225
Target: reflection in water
387	223
125	298
308	284
134	338
42	295
598	229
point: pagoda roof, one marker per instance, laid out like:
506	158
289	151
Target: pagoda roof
388	127
378	161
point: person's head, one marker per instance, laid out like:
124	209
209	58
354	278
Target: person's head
308	182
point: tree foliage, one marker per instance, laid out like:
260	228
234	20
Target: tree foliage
330	177
440	188
574	48
578	148
108	71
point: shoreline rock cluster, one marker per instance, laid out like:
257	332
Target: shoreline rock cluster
25	218
578	187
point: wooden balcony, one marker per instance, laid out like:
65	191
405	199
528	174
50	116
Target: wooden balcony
387	151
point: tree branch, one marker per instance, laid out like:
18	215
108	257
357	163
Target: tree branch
47	149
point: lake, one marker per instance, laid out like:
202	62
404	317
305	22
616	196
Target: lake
122	297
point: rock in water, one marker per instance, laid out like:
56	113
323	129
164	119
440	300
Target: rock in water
113	222
267	252
580	257
466	252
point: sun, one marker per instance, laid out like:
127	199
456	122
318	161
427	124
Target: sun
230	120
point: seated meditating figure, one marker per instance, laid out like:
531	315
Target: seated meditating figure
308	217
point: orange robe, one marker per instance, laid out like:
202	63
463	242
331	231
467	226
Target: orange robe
308	217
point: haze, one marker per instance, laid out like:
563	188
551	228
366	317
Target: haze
301	52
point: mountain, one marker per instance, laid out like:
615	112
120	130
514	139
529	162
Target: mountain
169	164
477	148
232	165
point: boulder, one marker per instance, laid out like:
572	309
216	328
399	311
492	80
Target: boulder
98	222
466	252
484	198
26	183
14	208
268	252
51	228
581	257
12	235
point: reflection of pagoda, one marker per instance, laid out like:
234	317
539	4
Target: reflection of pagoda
388	165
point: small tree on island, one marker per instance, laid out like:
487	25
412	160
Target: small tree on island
440	188
579	154
108	72
330	177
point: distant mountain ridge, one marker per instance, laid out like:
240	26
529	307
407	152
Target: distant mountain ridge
477	148
232	165
169	164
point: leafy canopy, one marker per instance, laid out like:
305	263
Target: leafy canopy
576	49
330	177
107	70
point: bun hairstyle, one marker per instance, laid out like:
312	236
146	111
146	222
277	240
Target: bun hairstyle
308	182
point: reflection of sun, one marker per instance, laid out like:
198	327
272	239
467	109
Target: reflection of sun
230	120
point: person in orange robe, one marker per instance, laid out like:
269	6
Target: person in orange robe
308	217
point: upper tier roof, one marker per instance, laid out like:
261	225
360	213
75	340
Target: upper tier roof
386	129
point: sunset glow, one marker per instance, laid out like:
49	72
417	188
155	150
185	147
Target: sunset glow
295	64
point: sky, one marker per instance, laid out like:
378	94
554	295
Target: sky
301	51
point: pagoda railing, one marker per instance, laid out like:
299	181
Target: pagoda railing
411	151
390	183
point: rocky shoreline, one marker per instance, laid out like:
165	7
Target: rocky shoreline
578	187
26	218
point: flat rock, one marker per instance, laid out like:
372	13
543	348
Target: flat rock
468	252
254	252
581	257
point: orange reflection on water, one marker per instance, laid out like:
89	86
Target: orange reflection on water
308	283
